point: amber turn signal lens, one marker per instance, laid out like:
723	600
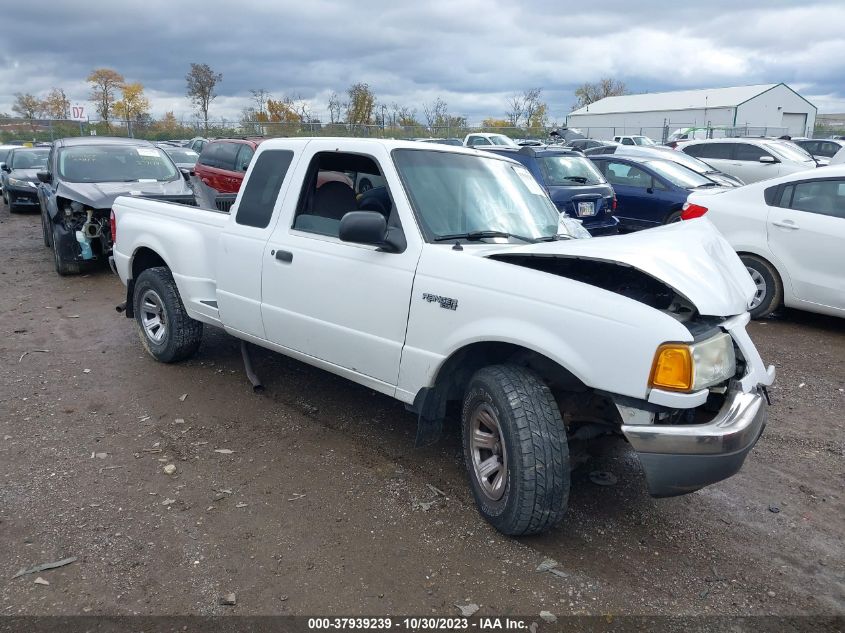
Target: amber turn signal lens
672	368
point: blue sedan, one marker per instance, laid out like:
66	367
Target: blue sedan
649	191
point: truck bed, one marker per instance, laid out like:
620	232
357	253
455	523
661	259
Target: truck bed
188	234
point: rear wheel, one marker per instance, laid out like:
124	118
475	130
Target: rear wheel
515	449
769	293
673	217
164	327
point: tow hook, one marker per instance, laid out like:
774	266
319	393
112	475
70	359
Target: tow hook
766	393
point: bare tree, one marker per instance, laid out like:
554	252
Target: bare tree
436	113
335	108
201	82
260	97
105	83
404	116
515	110
532	105
592	92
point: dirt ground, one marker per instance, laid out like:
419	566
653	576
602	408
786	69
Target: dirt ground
321	505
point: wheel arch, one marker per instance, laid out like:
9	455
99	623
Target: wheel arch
777	266
451	378
142	259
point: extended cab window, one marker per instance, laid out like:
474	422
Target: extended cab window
329	192
710	150
825	197
262	188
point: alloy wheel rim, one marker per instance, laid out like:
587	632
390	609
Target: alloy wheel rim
153	319
489	453
760	283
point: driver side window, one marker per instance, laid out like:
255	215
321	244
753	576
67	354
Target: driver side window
329	192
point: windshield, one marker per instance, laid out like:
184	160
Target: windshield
679	175
790	152
115	163
29	159
690	162
457	194
569	170
180	155
643	140
501	139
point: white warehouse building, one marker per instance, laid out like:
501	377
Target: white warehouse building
760	110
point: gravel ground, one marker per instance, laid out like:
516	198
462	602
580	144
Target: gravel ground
310	498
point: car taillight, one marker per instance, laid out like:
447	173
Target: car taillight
691	210
613	206
113	224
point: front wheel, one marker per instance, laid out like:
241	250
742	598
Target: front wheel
63	267
164	327
515	450
769	293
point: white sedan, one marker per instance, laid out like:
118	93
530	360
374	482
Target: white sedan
789	233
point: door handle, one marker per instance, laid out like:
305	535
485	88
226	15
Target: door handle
284	256
787	224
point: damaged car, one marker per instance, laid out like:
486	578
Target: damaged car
82	178
459	289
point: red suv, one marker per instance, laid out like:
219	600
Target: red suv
223	163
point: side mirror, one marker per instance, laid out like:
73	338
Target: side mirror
186	173
5	167
768	159
44	176
363	227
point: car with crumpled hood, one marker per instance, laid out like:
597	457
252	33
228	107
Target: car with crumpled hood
460	290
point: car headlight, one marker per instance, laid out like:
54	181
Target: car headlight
684	367
14	182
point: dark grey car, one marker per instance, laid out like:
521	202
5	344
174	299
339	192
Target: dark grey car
80	183
18	177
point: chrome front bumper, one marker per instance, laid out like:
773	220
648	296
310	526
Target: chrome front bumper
678	459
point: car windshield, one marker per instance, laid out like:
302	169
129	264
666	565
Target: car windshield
790	152
501	139
690	162
459	195
679	175
115	163
566	171
642	140
29	159
182	155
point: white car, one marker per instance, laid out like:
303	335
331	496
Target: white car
635	139
790	234
489	138
822	149
459	283
750	159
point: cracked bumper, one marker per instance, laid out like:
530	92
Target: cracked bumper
678	459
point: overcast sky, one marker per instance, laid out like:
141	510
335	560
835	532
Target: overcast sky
473	54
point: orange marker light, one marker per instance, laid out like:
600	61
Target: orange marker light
672	368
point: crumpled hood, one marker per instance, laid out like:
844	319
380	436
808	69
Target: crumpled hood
691	257
25	174
101	195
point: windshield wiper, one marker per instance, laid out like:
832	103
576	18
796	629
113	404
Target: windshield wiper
707	184
480	235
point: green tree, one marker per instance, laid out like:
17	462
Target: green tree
105	83
359	107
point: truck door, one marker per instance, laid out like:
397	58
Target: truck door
343	303
241	246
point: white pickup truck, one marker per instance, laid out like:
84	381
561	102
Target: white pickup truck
458	288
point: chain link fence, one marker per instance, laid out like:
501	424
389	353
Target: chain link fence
46	130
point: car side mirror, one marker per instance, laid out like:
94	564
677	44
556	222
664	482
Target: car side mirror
768	159
44	176
363	227
186	173
5	167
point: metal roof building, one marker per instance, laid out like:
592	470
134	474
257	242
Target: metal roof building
763	109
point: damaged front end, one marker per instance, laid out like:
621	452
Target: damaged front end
81	233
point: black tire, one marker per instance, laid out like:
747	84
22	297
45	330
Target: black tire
46	231
769	286
534	489
13	208
673	217
62	267
180	335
